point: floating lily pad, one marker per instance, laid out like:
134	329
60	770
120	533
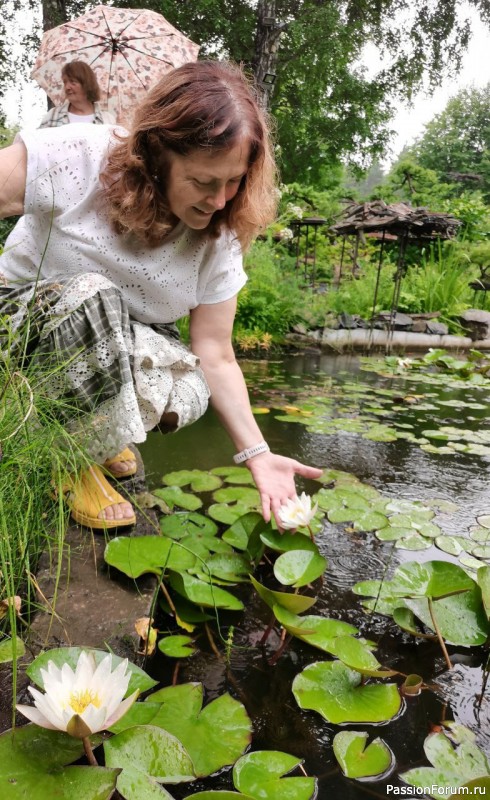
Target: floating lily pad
335	692
413	542
319	632
33	764
244	534
177	646
183	523
358	761
135	555
214	736
226	514
203	594
372	521
296	603
10	649
198	480
135	785
454	545
483	580
299	567
245	495
259	775
231	567
174	496
451	766
237	475
283	542
152	751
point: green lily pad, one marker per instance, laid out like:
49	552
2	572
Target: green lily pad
335	692
214	736
372	521
483	580
136	555
355	654
296	603
454	545
245	495
299	567
451	766
259	775
358	761
203	594
70	655
244	534
198	480
231	567
174	496
187	523
10	649
135	785
152	751
283	542
392	533
405	619
177	646
219	794
239	475
484	520
226	514
201	545
319	632
33	764
413	542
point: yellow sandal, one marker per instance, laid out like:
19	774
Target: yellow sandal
88	495
124	455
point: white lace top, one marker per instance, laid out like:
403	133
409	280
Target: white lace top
62	234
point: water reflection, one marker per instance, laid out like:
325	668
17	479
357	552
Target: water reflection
398	469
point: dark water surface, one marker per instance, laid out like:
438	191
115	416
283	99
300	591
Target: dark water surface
397	469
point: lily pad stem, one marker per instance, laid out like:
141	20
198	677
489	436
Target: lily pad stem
212	642
168	598
89	752
267	631
439	634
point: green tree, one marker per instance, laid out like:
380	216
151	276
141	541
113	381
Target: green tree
456	143
328	110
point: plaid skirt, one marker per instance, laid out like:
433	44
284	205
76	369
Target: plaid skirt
119	375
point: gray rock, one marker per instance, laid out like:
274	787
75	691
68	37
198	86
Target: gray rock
419	326
437	328
476	323
399	322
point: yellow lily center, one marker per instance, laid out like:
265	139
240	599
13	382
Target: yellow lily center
80	700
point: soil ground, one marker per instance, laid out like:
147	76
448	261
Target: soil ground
94	605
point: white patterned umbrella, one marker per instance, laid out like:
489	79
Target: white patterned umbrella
129	50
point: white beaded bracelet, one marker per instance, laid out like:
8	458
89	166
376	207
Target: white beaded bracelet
250	452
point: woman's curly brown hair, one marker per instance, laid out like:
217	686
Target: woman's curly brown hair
204	104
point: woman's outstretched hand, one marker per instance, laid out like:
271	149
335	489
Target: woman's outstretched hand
274	477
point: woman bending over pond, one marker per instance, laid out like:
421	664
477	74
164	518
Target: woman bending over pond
122	234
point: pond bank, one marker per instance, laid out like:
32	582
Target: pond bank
366	340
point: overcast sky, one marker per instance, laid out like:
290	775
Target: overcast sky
26	104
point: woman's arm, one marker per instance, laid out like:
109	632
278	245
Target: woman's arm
13	175
210	329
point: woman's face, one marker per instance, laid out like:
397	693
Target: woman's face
74	90
201	183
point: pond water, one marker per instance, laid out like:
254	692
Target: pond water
324	388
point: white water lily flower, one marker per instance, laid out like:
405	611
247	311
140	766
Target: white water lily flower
83	701
297	513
